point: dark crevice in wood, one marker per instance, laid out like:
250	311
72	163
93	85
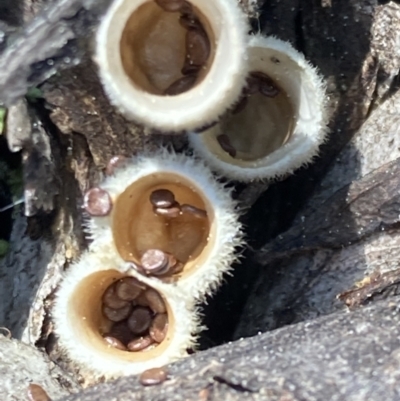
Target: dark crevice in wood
9	162
300	43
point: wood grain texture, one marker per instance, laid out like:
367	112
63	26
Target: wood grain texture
21	365
347	216
331	358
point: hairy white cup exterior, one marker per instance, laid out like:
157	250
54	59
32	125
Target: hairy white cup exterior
225	232
77	302
197	107
305	91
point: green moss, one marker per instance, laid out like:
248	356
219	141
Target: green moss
2	119
34	94
4	245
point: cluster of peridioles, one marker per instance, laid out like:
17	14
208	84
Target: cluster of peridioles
164	229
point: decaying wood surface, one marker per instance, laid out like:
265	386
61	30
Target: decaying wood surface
355	46
21	364
353	356
294	268
49	43
347	234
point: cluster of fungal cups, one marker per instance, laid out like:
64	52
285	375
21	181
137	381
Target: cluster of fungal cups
163	229
251	105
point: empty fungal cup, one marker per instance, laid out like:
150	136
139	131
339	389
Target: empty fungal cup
279	122
172	65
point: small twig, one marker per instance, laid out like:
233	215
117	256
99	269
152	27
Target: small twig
371	286
11	205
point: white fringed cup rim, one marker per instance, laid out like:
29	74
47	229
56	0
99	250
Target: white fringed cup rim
201	105
87	349
306	90
225	238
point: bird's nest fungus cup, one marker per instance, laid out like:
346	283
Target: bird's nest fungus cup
173	65
114	323
279	122
164	232
163	224
168	216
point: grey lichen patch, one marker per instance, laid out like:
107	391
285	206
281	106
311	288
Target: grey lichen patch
21	364
19	128
308	360
28	274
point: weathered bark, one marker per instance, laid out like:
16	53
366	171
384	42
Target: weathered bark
348	230
346	356
48	43
21	364
354	45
